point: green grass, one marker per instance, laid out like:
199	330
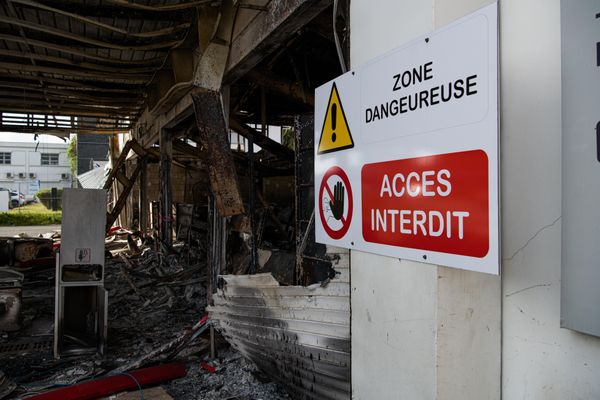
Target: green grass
31	214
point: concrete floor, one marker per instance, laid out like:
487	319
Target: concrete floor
34	230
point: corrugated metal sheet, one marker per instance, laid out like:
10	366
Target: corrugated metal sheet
95	178
300	336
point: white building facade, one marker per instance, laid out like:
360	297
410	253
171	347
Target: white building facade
29	166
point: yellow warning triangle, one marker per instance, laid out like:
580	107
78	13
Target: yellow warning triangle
335	134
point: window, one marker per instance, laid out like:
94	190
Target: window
49	159
4	158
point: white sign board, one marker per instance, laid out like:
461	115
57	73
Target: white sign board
4	200
406	161
34	186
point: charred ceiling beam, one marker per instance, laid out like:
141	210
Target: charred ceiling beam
160	8
78	73
17	91
269	30
43	121
154	45
74	85
74	51
286	88
70	62
13	13
112	11
187	149
29	99
66	111
60	131
94	22
261	140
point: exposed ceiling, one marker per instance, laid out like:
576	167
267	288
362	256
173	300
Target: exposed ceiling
92	59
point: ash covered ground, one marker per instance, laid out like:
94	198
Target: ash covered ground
151	303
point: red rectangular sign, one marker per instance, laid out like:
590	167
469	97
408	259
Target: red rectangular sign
437	203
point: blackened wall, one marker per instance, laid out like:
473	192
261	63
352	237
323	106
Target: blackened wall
90	148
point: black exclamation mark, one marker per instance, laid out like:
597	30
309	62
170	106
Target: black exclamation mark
333	121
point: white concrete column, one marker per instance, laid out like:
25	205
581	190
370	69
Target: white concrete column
419	331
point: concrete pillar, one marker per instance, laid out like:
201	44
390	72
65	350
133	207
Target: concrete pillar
419	331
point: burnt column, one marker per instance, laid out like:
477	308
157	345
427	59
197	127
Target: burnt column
166	214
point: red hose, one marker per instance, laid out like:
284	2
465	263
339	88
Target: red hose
108	385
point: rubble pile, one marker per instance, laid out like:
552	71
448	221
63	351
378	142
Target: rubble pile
155	298
235	378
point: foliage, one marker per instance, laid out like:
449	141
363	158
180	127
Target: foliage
287	137
72	154
25	219
32	214
45	197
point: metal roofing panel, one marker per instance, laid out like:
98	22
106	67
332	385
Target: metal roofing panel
300	336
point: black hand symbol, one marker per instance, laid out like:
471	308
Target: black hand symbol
337	207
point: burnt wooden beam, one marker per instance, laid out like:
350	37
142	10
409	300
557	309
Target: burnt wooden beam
65	111
70	62
143	195
108	10
263	141
61	131
74	51
269	30
166	212
154	45
159	8
214	135
75	85
95	22
78	73
63	84
34	99
189	150
277	85
81	98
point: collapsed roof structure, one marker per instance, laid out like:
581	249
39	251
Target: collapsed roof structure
209	107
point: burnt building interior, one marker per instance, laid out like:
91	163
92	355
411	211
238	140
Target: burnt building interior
208	110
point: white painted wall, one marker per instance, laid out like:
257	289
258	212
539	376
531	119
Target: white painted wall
26	159
540	360
393	302
418	331
426	332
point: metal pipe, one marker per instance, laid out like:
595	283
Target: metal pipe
336	39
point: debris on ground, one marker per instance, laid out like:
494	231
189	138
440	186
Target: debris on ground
234	378
6	386
156	303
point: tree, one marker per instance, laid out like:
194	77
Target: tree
72	154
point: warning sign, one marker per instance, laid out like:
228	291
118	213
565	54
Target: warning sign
336	202
422	160
335	134
437	203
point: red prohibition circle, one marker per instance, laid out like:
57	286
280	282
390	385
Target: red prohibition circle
345	224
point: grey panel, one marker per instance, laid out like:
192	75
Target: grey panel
580	297
83	226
